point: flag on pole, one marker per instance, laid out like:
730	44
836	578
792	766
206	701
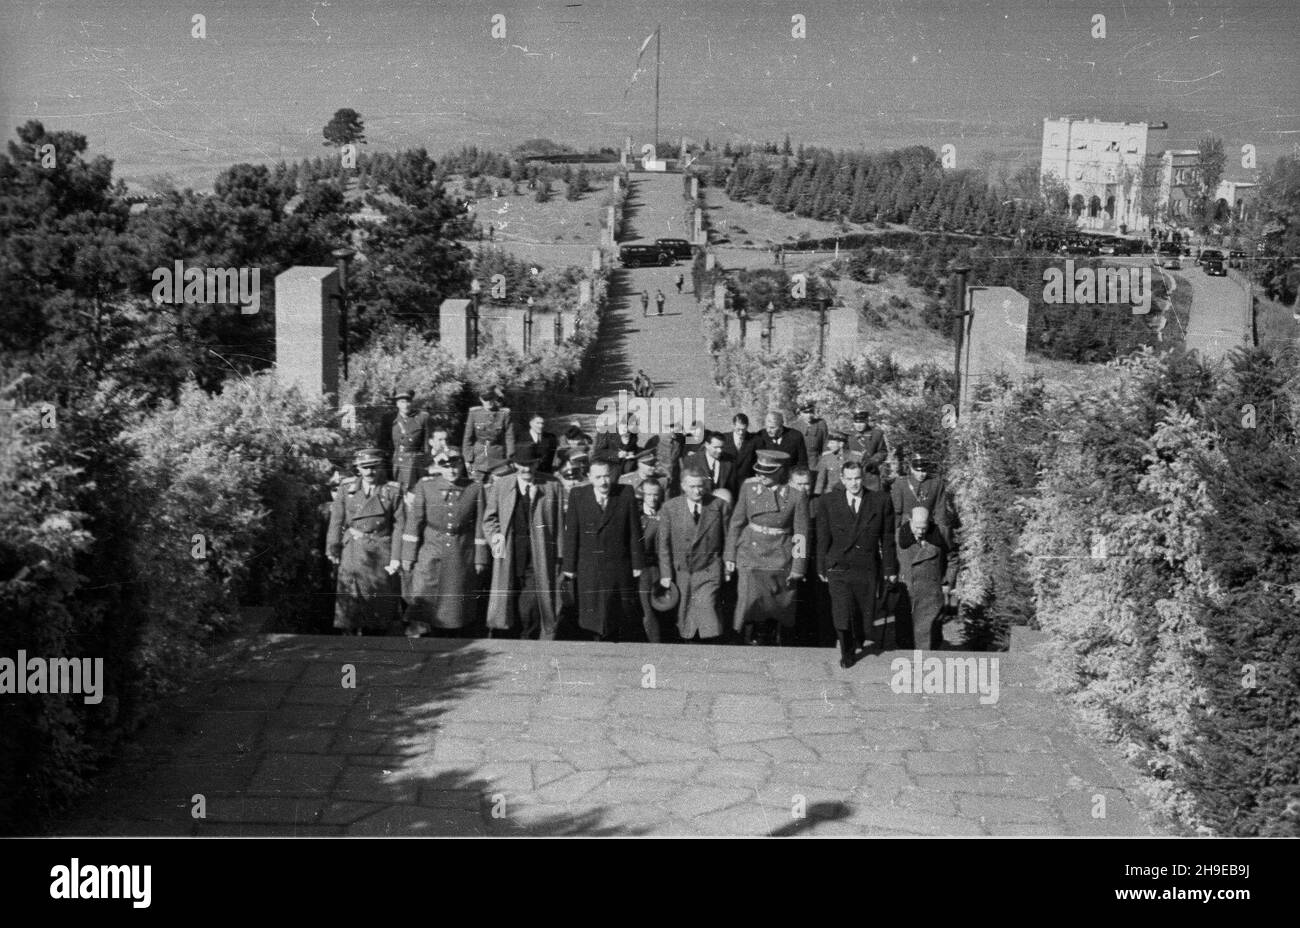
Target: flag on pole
639	55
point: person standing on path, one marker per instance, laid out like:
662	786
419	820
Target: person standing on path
855	545
603	553
659	301
767	547
645	302
692	537
365	544
681	279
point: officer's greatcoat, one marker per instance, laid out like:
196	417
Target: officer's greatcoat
442	536
365	534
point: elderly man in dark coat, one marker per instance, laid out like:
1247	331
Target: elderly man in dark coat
929	573
603	552
692	535
364	541
521	521
443	549
777	436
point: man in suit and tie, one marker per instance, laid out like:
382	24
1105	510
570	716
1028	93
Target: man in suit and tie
540	443
521	521
776	437
692	537
718	469
855	542
738	448
603	553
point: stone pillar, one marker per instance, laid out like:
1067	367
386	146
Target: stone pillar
595	259
999	326
699	226
695	187
710	261
307	330
584	292
456	328
618	182
609	221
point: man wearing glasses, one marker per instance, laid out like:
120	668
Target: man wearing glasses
365	544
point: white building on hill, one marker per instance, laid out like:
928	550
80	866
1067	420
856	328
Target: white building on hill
1104	168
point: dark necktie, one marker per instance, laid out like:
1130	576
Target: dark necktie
695	514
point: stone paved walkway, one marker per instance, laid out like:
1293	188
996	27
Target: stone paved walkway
513	737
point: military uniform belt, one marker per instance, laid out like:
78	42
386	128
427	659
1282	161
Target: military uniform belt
356	534
768	529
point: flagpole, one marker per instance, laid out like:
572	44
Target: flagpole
657	92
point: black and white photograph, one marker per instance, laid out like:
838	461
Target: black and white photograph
870	419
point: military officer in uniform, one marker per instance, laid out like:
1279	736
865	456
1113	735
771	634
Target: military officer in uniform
867	446
411	432
814	429
831	463
364	542
489	434
767	547
443	548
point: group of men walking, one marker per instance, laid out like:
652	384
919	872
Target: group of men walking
789	535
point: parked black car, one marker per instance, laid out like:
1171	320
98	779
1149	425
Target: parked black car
1212	262
677	247
641	255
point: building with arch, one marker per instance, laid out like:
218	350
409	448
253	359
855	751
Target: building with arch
1105	170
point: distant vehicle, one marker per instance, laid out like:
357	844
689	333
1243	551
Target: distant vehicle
1212	263
677	247
1109	246
641	255
1236	259
1171	262
1168	248
1079	247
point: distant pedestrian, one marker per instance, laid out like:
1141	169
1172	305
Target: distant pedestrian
681	279
645	302
659	301
492	233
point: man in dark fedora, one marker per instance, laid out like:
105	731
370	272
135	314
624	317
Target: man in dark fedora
410	434
855	546
603	552
521	522
692	537
365	543
767	546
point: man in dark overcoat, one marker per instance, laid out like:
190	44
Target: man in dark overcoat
855	544
443	549
603	552
521	522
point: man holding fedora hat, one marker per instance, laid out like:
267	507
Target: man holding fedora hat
364	542
692	537
521	521
767	546
410	433
603	552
